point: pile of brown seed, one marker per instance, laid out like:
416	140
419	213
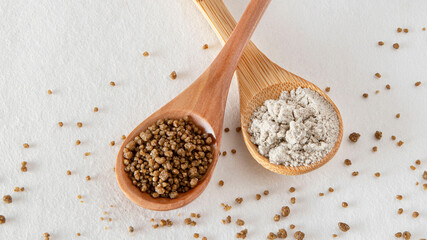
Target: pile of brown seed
170	157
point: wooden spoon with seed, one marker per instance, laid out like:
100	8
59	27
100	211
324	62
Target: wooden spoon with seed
204	102
261	79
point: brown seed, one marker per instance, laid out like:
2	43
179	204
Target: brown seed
380	43
375	149
49	92
221	183
112	143
291	226
271	236
399	30
378	135
334	235
60	124
398	115
233	151
68	172
423	28
258	196
285	211
79	196
78	234
398	235
344	204
354	137
196	235
393	138
400	211
425	175
204	238
113	84
193	215
413	168
354	174
205	46
282	233
88	178
365	95
226	129
291	189
145	54
417	84
425	186
78	142
347	162
418	162
95	109
226	207
240	222
46	235
406	235
276	217
405	30
87	154
330	189
377	91
415	214
224	153
299	235
2	219
131	229
388	87
173	75
266	192
321	194
123	137
79	124
400	143
293	200
343	226
238	129
26	145
327	89
399	197
377	174
7	199
239	200
396	45
378	75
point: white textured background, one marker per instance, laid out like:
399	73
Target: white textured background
76	47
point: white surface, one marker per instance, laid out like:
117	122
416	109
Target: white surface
77	47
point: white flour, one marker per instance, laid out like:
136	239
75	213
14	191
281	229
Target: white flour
299	128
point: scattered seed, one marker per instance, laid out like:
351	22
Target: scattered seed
226	206
95	109
78	142
113	84
221	183
7	199
291	189
334	235
380	43
79	196
291	226
377	174
327	89
68	172
226	130
87	154
400	143
354	174
2	219
145	54
425	175
233	151
425	186
399	30
49	92
330	189
343	226
398	235
293	200
396	45
393	138
155	226
224	153
415	214
196	235
78	234
365	95
266	192
321	194
242	234
173	75
398	115
240	222
377	91
227	220
26	145
417	84
388	87
79	124
406	235
271	236
413	168
239	200
405	30
123	137
344	204
285	211
375	149
354	137
112	143
299	235
205	46
258	196
423	28
378	135
400	211
347	162
282	233
238	129
399	197
60	124
204	238
88	178
418	162
378	75
276	217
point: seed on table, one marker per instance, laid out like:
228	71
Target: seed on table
399	197
418	162
205	46
293	200
224	153
396	46
399	30
95	109
413	168
266	192
380	43
405	30
7	199
26	145
406	235
193	215
354	174
415	214
425	175
330	189
239	200
78	142
198	215
393	138
60	124
79	124
291	189
258	196
173	75
400	211
242	234
87	154
233	151
388	87
226	207
398	235
374	149
282	233
327	89
276	217
321	194
226	129
112	143
343	226
299	235
155	226
2	219
365	95
79	196
354	137
123	137
221	183
240	222
285	211
344	204
204	238
112	84
347	162
377	174
398	115
88	178
271	236
145	54
196	235
378	135
423	28
68	172
417	84
377	91
78	234
334	235
425	186
238	129
49	91
378	75
400	143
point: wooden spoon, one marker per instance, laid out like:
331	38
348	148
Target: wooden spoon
204	101
261	79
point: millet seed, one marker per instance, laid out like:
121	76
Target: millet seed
400	211
354	137
239	200
285	211
347	162
205	46
112	84
327	89
354	174
399	197
377	174
233	151
2	219
344	204
291	226
238	129
26	145
343	226
258	196
282	233
378	75
79	124
68	172
299	235
400	143
398	115
398	235
378	135
380	43
173	75
271	236
365	95
276	217
95	109
266	192
417	84
388	87
374	149
291	189
112	143
240	222
221	183
406	235
396	46
293	200
7	199
145	54
78	142
399	30
415	214
60	124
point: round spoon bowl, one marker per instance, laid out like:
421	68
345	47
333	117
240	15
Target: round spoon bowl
273	92
163	204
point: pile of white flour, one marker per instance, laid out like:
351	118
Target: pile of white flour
299	128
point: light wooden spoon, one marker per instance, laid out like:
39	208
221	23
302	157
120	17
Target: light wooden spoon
204	101
261	79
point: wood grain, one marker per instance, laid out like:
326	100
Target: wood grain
261	79
204	101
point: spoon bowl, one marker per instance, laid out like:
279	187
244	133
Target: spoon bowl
261	79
